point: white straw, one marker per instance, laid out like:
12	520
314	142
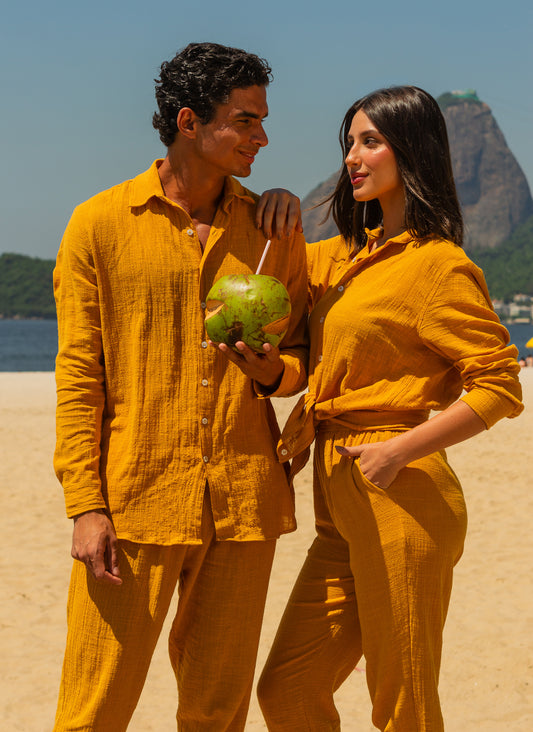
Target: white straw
261	261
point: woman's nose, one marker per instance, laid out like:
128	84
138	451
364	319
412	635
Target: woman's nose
352	157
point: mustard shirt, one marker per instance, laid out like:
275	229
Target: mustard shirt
147	411
402	330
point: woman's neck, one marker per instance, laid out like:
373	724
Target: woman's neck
393	222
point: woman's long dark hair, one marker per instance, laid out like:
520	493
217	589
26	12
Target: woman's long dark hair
411	121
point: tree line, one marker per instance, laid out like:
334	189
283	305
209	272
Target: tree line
26	289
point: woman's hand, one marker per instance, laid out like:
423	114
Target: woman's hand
278	213
381	462
375	462
266	368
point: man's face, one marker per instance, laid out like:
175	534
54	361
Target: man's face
229	143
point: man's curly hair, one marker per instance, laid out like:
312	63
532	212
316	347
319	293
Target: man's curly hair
201	76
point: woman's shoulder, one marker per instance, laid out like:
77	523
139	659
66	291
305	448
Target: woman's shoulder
443	254
446	264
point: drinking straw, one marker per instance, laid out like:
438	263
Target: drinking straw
261	261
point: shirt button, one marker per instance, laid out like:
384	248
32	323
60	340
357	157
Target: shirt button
206	459
190	232
340	288
284	451
320	358
205	382
322	319
204	344
205	420
203	305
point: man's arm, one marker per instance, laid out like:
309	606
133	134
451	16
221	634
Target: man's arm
80	403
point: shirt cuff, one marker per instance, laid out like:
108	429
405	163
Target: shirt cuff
292	379
491	407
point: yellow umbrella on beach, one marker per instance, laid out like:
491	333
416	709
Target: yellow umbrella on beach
529	344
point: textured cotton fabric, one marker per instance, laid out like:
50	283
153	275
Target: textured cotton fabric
147	410
213	641
376	581
403	329
394	333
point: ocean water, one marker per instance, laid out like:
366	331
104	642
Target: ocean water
31	345
28	345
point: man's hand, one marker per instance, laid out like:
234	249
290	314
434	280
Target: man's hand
278	213
265	368
94	542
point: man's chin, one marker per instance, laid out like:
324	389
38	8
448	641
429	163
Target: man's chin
243	172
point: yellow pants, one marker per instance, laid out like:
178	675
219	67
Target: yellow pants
376	582
112	633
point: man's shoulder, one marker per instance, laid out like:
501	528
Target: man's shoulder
108	197
117	195
235	189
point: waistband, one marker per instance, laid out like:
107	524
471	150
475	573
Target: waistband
304	422
373	421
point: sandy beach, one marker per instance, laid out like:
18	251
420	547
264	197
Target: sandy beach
487	673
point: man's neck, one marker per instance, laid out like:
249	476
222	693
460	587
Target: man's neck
188	186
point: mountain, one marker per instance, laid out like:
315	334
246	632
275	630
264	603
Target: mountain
492	188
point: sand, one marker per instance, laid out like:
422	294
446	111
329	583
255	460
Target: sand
487	675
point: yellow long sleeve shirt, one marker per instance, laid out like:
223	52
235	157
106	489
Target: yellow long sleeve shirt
147	411
402	330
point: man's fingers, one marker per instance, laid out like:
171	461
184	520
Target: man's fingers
271	353
112	559
111	579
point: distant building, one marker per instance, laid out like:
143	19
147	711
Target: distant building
520	310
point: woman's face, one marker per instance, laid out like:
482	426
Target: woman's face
371	164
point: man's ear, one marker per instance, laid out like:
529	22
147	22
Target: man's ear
187	122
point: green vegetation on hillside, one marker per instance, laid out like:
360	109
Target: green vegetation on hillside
450	99
26	289
509	267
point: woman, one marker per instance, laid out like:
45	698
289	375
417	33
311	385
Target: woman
401	324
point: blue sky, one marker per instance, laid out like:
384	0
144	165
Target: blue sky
78	92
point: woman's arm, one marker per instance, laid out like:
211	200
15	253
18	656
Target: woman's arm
381	461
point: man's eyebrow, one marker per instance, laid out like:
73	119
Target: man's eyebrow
253	115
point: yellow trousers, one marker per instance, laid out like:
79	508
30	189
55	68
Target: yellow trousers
376	582
112	633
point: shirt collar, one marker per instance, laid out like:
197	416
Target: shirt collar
372	234
148	184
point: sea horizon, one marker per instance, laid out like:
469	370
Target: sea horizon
30	344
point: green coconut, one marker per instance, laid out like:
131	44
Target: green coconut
252	308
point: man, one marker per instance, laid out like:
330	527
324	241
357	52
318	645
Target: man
165	444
